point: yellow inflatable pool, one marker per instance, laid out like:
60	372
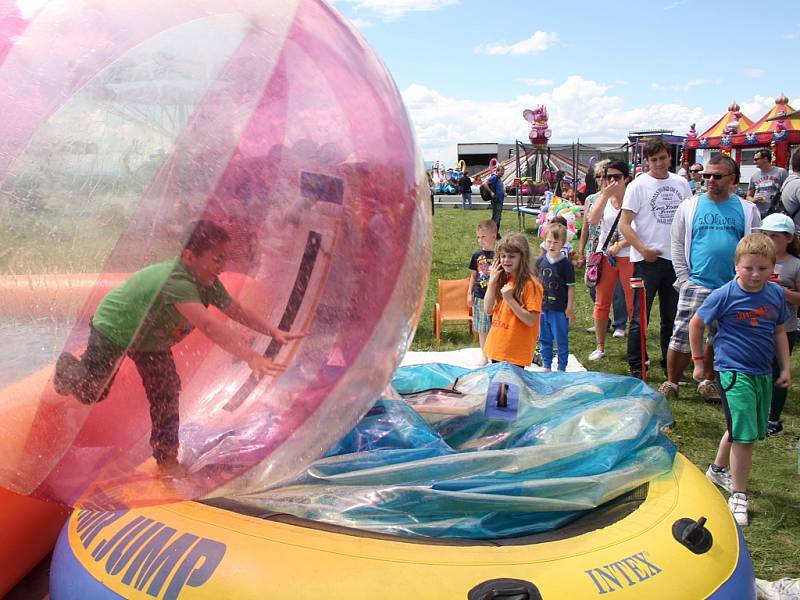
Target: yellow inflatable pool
630	548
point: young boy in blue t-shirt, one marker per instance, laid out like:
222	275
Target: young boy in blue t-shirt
557	275
749	312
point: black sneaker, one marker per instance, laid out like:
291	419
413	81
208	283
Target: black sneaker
62	380
774	428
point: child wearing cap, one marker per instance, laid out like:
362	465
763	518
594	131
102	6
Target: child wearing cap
780	229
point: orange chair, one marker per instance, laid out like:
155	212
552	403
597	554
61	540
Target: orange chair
452	305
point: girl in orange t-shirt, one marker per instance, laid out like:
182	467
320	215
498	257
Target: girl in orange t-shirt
514	301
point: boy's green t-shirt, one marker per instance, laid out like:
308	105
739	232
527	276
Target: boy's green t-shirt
144	306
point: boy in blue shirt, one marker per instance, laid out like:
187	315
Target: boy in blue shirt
557	276
749	312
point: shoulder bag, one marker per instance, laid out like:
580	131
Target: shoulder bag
595	261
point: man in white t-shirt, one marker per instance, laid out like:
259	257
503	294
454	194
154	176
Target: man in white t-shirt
648	207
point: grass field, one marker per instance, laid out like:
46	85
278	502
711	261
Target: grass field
774	532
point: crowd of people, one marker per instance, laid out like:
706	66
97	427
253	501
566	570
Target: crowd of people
717	263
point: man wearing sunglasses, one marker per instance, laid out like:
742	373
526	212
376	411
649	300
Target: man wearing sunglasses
696	178
704	235
765	182
648	208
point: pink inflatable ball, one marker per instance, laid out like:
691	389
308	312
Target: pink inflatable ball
274	119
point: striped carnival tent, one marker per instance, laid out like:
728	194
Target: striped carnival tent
721	133
778	129
779	123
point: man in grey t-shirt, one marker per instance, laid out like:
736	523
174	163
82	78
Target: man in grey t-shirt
765	182
790	192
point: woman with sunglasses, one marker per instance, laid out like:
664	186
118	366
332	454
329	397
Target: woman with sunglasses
588	244
616	265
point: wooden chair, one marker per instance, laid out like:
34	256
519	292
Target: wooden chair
451	305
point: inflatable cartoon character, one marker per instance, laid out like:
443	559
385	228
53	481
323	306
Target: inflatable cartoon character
540	133
553	206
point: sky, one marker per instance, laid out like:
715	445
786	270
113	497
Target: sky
467	68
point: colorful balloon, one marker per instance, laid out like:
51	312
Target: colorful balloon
125	120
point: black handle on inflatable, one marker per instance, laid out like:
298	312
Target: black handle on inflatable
502	395
693	534
313	246
507	589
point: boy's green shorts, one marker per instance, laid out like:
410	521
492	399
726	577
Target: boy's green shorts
746	400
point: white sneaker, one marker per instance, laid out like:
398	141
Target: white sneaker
618	333
739	504
597	354
721	478
590	329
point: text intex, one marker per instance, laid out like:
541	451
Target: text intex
622	573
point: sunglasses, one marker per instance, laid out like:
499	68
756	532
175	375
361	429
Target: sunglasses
715	176
614	176
695	170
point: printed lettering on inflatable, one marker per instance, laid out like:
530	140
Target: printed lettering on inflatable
124	121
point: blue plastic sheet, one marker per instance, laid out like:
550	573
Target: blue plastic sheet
579	440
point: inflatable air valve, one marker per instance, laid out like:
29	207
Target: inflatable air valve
502	401
693	534
505	588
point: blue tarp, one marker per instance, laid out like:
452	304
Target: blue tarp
577	441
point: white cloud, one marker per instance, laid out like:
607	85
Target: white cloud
757	106
392	9
578	108
361	23
683	87
675	4
791	36
752	72
539	41
536	82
